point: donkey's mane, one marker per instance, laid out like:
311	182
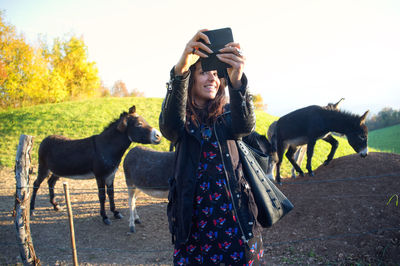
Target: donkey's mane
346	115
115	122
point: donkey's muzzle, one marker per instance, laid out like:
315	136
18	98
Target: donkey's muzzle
364	153
155	136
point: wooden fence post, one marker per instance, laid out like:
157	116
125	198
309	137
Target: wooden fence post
71	223
22	207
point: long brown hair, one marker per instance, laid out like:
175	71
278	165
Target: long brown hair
214	107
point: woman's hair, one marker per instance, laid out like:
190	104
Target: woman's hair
214	107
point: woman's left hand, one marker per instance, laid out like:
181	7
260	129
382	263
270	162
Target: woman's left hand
232	55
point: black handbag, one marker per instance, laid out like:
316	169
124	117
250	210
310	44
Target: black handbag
272	204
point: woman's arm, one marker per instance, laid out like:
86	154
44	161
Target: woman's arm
242	109
173	111
241	101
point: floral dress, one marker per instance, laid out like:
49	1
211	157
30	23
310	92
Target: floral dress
215	235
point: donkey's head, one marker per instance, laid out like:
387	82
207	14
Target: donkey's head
137	129
357	136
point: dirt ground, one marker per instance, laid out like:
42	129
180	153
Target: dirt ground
341	217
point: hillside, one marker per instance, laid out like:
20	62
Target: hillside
385	139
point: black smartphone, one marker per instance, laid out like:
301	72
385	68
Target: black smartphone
218	39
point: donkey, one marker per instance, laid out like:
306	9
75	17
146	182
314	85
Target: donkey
300	150
307	125
97	157
149	171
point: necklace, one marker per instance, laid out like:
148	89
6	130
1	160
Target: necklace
206	132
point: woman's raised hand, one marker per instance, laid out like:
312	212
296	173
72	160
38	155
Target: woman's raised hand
232	55
192	53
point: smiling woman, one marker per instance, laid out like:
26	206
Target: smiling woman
206	85
212	212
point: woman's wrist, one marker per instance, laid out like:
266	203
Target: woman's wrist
178	75
239	84
236	84
180	71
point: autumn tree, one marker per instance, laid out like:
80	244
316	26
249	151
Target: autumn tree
69	61
103	90
119	89
22	69
35	74
259	102
137	93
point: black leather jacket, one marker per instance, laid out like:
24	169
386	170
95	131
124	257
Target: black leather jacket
234	124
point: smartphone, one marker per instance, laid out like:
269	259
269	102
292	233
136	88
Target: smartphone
218	39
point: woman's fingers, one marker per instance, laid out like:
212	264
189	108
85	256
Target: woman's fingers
192	53
232	59
233	48
199	45
200	35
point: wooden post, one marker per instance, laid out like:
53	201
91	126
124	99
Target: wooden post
22	206
71	223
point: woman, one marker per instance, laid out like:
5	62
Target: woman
211	210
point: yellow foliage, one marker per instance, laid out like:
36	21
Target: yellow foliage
31	75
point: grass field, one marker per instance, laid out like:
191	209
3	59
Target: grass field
82	119
385	139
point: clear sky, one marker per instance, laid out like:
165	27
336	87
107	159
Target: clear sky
299	52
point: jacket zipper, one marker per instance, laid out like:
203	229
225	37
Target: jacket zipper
229	187
169	91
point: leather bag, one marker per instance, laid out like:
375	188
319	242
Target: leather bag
272	204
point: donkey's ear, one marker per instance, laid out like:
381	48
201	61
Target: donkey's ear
123	123
336	105
132	109
363	117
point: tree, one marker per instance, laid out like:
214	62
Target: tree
35	74
137	93
119	89
385	118
103	90
258	102
69	61
23	69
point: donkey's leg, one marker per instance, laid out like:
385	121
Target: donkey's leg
132	209
43	172
102	198
137	218
280	151
289	155
52	182
110	193
310	152
334	143
298	157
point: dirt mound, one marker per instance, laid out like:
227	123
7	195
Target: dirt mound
341	216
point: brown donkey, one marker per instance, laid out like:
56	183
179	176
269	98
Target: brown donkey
97	157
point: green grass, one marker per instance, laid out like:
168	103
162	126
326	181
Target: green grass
80	119
385	139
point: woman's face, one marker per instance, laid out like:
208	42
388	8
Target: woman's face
206	85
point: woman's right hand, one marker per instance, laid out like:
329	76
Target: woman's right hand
192	53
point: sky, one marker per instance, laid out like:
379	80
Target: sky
298	52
